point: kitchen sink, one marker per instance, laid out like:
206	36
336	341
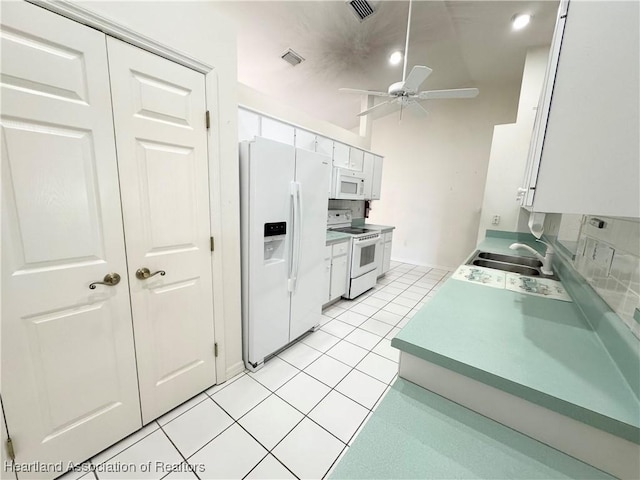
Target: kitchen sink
508	267
498	257
509	263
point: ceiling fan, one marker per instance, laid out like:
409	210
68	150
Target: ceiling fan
405	94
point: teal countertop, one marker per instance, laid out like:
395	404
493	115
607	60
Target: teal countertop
415	433
539	349
336	237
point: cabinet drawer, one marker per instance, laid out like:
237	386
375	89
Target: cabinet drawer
327	252
388	237
340	249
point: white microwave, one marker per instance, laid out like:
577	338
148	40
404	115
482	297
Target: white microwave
348	184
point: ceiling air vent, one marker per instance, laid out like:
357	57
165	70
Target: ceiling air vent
361	9
292	57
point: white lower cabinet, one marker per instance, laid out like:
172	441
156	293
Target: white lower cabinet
386	253
336	270
339	267
81	370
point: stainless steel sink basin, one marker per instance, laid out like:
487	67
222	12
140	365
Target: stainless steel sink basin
509	263
508	267
498	257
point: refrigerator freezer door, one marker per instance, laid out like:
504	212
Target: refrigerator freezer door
266	300
312	175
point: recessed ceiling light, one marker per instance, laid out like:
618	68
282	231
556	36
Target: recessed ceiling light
520	21
395	58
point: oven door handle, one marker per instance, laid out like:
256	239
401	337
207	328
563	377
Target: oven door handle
365	243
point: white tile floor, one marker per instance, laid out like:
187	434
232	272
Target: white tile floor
296	416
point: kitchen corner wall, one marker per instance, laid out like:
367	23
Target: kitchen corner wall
434	174
609	260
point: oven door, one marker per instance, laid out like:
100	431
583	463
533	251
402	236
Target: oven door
349	186
365	256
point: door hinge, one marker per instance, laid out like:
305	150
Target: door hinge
10	451
215	349
207	119
212	244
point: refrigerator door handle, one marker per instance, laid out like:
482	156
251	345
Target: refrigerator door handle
298	227
291	284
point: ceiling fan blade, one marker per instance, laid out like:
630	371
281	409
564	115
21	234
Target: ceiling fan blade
418	74
417	108
451	93
363	92
374	108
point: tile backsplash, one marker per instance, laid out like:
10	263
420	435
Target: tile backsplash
608	257
356	207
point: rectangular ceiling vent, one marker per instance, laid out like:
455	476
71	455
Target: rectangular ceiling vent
292	57
361	9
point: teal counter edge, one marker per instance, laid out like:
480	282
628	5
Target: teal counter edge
558	405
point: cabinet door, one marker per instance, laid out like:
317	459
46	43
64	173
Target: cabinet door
590	160
306	140
341	157
356	159
278	131
376	183
161	141
367	168
339	276
527	191
326	293
386	257
69	385
248	125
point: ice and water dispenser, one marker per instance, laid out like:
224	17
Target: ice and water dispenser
274	241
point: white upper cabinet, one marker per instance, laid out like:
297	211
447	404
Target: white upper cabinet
278	131
341	155
306	140
324	145
248	125
356	159
584	156
376	183
367	168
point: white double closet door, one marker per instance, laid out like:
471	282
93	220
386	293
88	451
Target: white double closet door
83	367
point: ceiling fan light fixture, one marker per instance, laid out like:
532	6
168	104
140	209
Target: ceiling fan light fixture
395	58
520	20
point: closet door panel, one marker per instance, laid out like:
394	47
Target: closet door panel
159	115
69	376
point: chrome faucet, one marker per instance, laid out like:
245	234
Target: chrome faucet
547	260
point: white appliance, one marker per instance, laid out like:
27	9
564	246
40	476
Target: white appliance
283	206
348	184
366	252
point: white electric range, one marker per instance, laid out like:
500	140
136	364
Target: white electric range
366	250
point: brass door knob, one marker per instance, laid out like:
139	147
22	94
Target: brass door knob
110	279
144	273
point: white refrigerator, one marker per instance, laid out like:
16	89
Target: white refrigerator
284	203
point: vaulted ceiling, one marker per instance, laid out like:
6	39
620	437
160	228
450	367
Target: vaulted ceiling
466	43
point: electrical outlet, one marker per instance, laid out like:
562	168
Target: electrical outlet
495	220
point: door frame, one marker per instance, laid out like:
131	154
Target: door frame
220	268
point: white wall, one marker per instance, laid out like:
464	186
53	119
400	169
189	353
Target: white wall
434	174
258	101
509	150
197	30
